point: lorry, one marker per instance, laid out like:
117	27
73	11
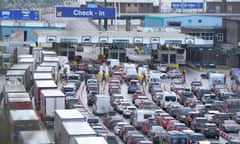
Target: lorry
12	89
89	140
19	103
73	129
55	66
51	99
46	69
34	137
30	61
65	115
26	67
20	120
16	77
40	85
42	76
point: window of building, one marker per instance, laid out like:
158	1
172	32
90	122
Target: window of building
129	4
135	5
141	4
219	37
174	23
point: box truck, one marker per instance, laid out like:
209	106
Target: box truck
28	73
34	137
30	61
55	66
73	129
40	85
16	77
66	115
11	89
20	120
51	99
89	140
42	76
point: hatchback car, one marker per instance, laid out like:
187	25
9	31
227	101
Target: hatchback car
210	130
229	126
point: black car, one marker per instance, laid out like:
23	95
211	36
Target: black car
210	130
91	97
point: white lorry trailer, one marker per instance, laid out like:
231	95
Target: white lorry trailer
73	129
65	115
51	99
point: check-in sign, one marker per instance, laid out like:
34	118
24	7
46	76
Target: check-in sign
77	12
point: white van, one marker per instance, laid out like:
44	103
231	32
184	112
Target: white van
169	97
102	104
140	116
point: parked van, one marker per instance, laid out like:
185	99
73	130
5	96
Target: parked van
169	97
140	116
101	104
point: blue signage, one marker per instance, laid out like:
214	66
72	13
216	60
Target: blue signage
173	41
123	41
19	15
187	5
76	12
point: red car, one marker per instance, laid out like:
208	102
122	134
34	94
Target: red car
125	129
147	124
136	95
164	121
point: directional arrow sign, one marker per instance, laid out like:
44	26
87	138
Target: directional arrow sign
76	12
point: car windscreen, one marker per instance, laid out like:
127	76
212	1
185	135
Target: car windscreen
170	98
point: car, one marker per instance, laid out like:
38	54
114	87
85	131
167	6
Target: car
118	127
126	128
91	97
229	126
115	99
114	89
71	101
128	110
111	138
210	130
155	132
147	124
184	95
197	123
164	121
196	137
218	118
178	127
121	105
136	95
182	113
134	138
157	97
195	84
174	73
93	120
134	86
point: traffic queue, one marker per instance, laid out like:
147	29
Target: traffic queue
35	101
186	113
